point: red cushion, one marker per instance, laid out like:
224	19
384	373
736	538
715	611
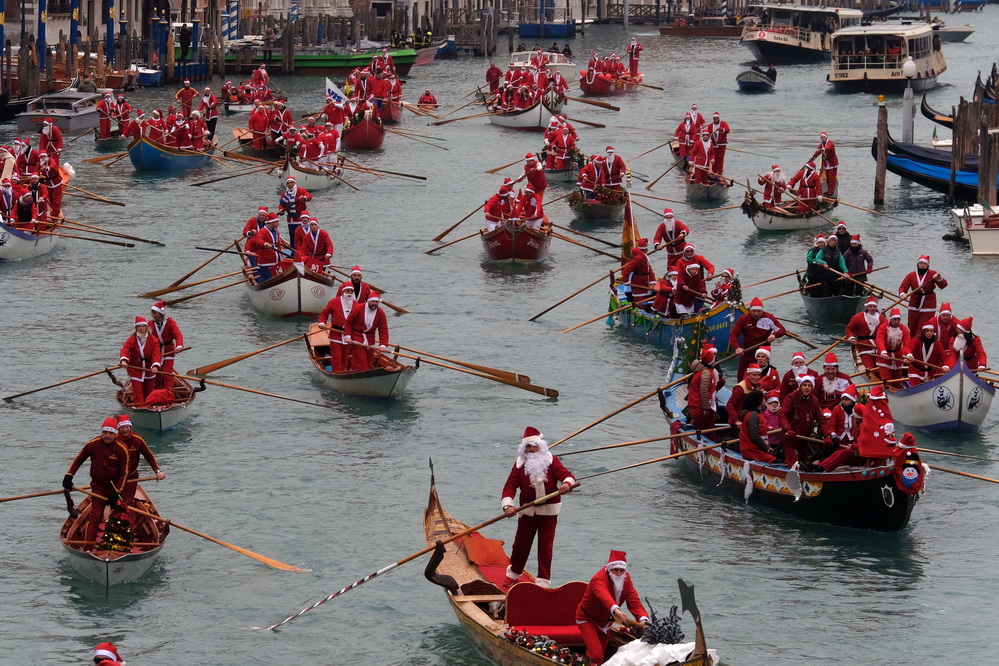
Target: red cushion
563	635
530	604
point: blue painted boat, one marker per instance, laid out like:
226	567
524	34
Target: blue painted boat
147	155
149	77
685	336
753	81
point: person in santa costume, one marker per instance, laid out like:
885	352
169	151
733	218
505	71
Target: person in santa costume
689	256
266	246
719	140
313	246
198	130
137	447
921	285
671	233
831	382
891	340
529	208
685	135
141	355
967	345
50	138
365	322
638	275
691	293
361	289
186	97
500	207
754	443
617	170
702	159
106	654
801	414
171	341
634	51
774	185
723	288
209	109
535	473
8	199
333	319
493	76
292	203
830	162
862	329
945	325
105	114
771	418
108	472
756	328
534	172
809	187
702	396
259	124
926	356
608	590
664	305
255	224
749	383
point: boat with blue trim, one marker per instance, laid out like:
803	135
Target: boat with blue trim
147	155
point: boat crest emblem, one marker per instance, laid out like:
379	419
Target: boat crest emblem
276	294
762	34
975	399
944	398
318	291
888	495
4	237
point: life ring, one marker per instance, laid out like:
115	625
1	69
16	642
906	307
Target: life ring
680	23
762	34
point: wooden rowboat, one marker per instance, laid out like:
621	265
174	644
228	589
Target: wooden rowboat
110	567
298	291
245	138
388	380
865	497
785	219
753	81
472	569
831	309
957	401
164	417
312	179
534	118
112	144
714	191
604	84
147	155
562	175
17	244
365	135
517	243
593	210
390	113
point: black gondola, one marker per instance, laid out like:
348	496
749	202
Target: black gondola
936	116
930	155
932	176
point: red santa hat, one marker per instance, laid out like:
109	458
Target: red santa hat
965	325
908	441
313	221
694	265
109	425
642	244
140	321
850	392
6	181
801	379
928	325
693	107
609	149
667	212
374	298
688	246
532	436
773	396
756	304
923	257
529	188
107	650
48	121
618	560
140	113
729	272
159	306
797	355
945	308
716	115
841	224
672	271
686	115
504	191
878	393
123	420
529	157
871	300
775	167
895	314
355	269
823	135
271	217
831	360
262	209
820	240
188	81
752	367
763	350
855	239
345	286
810	165
708	352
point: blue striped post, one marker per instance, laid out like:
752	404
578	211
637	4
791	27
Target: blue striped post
230	34
43	48
224	16
195	37
294	10
74	21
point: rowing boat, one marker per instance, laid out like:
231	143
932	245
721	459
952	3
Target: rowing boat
17	244
785	219
472	569
957	401
683	335
831	309
605	84
110	567
147	155
159	417
297	291
388	380
536	117
390	112
515	242
245	138
593	209
864	497
753	81
714	191
310	178
111	144
364	135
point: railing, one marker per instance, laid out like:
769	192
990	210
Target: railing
801	34
845	61
552	15
635	11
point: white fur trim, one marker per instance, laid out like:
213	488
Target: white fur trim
543	582
507	501
511	574
617	564
105	653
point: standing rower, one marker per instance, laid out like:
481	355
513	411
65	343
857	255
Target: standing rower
141	356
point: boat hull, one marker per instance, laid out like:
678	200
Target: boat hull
598	212
751	81
388	380
710	192
245	138
833	309
366	135
714	31
313	180
149	156
114	144
602	84
390	113
322	64
778	47
149	77
16	245
535	118
159	418
292	294
518	244
884	84
562	175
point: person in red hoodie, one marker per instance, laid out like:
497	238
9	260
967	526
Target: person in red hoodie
921	285
313	246
638	274
801	414
756	328
171	341
108	472
608	590
831	382
702	397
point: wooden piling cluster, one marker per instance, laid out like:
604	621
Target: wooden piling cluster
971	136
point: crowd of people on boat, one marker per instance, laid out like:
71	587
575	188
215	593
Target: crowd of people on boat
524	85
837	265
523	206
702	146
31	196
805	187
356	325
612	66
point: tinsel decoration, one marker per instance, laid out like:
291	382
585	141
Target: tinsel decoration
118	534
666	630
735	292
546	647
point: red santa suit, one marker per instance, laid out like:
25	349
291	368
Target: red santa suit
922	354
266	245
829	390
534	171
134	129
891	344
8	200
861	331
171	341
972	352
334	113
617	170
923	301
105	114
753	332
334	315
493	76
259	123
634	51
154	128
809	187
946	331
196	126
590	176
719	139
801	415
773	186
529	208
143	355
603	596
137	448
186	97
180	136
639	273
733	407
500	207
702	157
663	303
54	185
673	234
260	76
108	472
255	223
362	326
122	110
313	246
534	476
830	162
560	152
690	289
292	203
685	135
50	139
280	120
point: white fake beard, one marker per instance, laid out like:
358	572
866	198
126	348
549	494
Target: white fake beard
618	583
960	344
872	319
798	371
829	387
893	336
536	466
670	224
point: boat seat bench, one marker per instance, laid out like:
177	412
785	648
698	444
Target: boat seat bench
547	612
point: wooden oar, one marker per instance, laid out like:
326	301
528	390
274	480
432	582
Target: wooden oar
378	172
942	453
825	351
96	196
960	473
413	138
207	291
81	135
89	198
675	165
454	120
381	292
602	105
662	145
608	314
335	176
95	160
575	293
204	154
645	441
712	210
92	240
799	339
540	390
498	169
243	551
256	169
868	210
748	152
236	388
116	160
652	196
10	398
212	367
580	233
727	182
117	234
454	226
512	376
790	291
591	249
898	301
49	493
218	254
646	85
586	122
459	108
644	207
779	277
169	290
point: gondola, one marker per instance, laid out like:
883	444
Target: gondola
297	291
934	177
245	138
110	567
472	569
10	108
863	497
147	155
932	156
367	134
785	218
605	84
111	144
163	417
388	380
17	244
684	336
935	116
753	81
957	401
515	242
312	178
712	191
831	309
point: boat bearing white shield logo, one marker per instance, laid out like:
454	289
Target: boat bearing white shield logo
276	294
4	237
943	398
975	399
318	291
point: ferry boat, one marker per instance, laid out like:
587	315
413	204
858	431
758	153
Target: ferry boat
792	33
870	57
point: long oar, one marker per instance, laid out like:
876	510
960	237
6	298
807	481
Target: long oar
89	198
498	169
591	249
591	102
92	240
663	174
575	293
463	106
454	120
822	353
169	290
587	122
643	206
608	314
645	441
948	453
49	493
10	398
381	292
960	473
662	145
513	376
174	301
749	152
413	138
779	277
441	247
218	254
580	233
238	388
540	390
243	551
95	160
80	226
646	85
256	169
94	195
378	172
212	367
868	210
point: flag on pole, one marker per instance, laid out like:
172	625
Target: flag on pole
335	92
629	231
